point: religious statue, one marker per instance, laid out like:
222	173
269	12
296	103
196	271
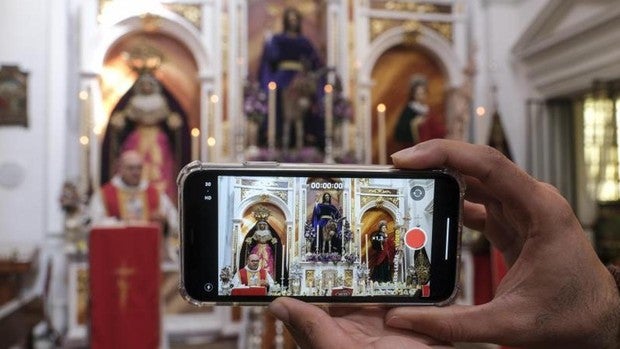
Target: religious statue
289	59
382	257
261	242
76	216
326	220
414	124
147	125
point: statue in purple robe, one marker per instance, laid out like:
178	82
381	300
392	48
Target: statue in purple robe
290	60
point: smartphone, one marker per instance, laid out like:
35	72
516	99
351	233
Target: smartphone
322	233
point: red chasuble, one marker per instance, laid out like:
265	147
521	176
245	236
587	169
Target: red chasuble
243	275
124	287
115	200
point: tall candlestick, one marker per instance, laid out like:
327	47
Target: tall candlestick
342	245
382	136
195	144
271	116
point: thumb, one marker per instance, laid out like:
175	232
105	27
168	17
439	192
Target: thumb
456	323
310	326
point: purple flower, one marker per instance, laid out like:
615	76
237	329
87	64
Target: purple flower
254	102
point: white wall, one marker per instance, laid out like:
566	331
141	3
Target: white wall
33	39
499	24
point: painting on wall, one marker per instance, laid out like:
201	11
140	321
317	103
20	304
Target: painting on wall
13	96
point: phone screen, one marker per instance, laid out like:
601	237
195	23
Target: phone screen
350	237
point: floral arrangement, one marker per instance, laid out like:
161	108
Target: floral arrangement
346	231
334	257
226	274
362	271
343	110
350	258
255	105
309	231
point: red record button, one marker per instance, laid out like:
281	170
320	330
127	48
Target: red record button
415	238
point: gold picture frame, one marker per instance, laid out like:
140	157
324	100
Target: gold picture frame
13	96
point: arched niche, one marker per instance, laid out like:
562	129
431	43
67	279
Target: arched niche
105	77
425	42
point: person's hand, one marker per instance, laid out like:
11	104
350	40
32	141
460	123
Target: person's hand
556	293
311	327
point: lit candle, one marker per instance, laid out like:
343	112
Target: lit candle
195	143
329	120
271	116
381	131
329	110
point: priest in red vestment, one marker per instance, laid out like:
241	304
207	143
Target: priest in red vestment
128	198
252	274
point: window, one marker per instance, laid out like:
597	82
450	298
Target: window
601	121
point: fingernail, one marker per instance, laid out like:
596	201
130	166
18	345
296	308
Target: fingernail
398	322
279	311
404	152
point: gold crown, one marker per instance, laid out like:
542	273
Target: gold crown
261	213
143	58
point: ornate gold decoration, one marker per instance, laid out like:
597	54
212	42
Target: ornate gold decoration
150	22
282	195
245	193
412	28
379	199
310	278
379	191
379	202
445	29
122	273
348	277
191	12
261	213
143	58
422	268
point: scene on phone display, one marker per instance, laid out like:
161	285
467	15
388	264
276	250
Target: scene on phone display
312	236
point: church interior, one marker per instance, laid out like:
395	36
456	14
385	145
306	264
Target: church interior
95	94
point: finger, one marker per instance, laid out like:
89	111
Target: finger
481	323
309	325
474	216
498	174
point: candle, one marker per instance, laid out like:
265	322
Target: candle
271	116
381	131
329	121
342	244
366	236
317	238
195	142
283	256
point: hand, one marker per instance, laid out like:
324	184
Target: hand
314	328
556	292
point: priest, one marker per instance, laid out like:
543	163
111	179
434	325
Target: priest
128	198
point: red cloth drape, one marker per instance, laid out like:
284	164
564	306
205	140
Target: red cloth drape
124	287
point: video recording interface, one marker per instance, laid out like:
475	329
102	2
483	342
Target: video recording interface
316	236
